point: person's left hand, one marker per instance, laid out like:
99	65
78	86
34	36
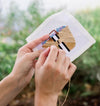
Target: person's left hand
26	58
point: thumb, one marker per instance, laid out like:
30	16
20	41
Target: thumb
33	55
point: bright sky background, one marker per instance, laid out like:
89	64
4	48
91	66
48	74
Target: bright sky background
71	5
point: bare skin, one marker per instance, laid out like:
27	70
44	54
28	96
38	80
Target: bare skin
53	71
22	72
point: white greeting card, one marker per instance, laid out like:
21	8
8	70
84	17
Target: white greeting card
83	40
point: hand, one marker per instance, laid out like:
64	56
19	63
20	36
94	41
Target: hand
26	58
22	72
53	71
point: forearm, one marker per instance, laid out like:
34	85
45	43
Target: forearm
45	100
8	89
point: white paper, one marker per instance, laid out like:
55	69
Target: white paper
82	38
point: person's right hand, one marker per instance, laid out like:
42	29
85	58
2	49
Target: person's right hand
53	70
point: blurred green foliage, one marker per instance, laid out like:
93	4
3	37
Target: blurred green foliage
89	62
14	29
17	25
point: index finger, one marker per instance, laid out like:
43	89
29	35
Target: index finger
52	56
36	42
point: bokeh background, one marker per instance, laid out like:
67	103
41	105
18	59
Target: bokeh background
19	18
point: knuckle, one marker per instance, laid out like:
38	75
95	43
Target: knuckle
58	69
67	78
49	65
62	52
54	48
68	59
26	55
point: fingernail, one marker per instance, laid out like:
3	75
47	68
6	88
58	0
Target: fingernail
53	46
47	49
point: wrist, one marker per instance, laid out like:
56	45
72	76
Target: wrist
45	99
14	80
8	89
17	80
